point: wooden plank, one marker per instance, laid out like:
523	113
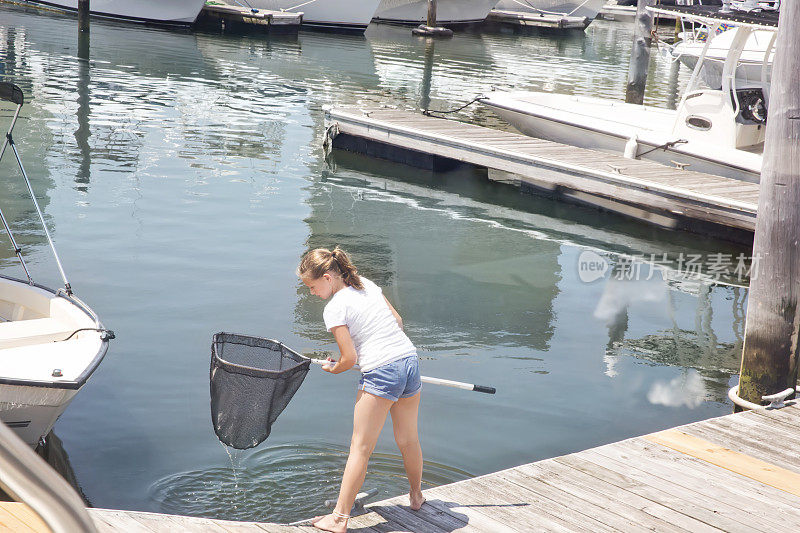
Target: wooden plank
751	467
119	521
663	505
747	445
475	502
779	505
26	515
579	504
719	500
10	522
435	515
673	495
618	500
514	508
770	430
373	523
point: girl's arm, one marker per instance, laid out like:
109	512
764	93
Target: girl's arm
346	348
394	312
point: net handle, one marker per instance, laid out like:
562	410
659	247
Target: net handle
433	381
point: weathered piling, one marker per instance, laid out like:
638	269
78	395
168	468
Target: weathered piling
640	54
772	331
431	21
429	29
83	15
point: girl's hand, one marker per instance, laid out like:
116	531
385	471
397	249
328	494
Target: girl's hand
329	367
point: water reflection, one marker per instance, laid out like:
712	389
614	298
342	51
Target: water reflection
461	289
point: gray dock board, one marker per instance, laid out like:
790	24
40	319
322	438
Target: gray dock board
646	184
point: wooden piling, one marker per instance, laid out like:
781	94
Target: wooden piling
432	13
640	54
83	15
770	355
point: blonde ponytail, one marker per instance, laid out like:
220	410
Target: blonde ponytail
347	269
321	260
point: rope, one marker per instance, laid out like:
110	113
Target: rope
664	146
427	112
108	333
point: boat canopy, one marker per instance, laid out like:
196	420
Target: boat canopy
710	15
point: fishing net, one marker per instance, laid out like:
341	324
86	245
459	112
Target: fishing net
252	381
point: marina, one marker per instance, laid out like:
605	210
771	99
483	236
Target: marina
613	301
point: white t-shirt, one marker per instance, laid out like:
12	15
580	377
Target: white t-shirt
376	335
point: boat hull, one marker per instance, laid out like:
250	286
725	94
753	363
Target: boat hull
344	15
33	411
564	7
180	12
590	133
448	12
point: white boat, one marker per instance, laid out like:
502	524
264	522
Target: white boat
717	131
341	15
448	12
43	362
691	44
572	8
50	342
171	12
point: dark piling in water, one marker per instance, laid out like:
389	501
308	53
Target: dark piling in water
640	54
772	332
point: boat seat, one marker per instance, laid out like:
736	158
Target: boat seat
35	331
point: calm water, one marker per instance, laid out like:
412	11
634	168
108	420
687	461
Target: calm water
183	177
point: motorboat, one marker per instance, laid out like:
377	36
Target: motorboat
50	341
448	12
717	131
688	48
336	15
569	8
180	12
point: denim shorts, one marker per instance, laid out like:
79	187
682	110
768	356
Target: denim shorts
395	380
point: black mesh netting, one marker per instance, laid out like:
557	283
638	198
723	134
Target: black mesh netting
252	381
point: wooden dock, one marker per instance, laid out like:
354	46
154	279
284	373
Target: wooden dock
218	14
547	21
735	473
651	192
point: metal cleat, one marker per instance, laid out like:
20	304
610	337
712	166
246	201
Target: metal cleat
776	400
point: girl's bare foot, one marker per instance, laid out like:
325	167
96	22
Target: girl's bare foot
416	500
329	522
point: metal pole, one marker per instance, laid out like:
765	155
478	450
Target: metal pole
771	340
7	227
640	54
41	217
83	15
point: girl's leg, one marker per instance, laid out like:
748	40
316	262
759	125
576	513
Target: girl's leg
368	419
404	419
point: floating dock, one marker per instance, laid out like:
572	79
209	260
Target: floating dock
735	473
537	20
657	194
230	17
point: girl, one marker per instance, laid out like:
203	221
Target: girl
369	331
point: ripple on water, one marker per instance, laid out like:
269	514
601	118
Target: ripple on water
282	483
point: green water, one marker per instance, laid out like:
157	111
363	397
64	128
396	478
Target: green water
182	175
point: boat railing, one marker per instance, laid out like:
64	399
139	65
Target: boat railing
27	478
